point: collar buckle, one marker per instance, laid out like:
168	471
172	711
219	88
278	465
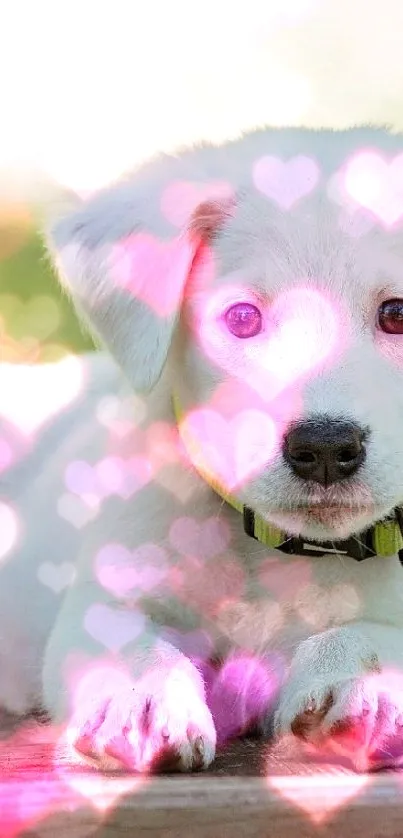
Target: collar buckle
355	549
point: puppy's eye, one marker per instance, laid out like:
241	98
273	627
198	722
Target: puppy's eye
244	320
390	317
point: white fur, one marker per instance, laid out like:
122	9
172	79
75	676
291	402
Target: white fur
319	625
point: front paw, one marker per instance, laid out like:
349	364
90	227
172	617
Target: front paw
159	723
359	718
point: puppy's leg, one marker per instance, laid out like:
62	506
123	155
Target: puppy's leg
344	693
126	699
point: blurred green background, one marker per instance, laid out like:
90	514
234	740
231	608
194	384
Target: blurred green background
37	322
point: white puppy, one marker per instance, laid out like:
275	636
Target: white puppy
209	541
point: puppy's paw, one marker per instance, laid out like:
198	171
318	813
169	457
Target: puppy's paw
359	718
160	723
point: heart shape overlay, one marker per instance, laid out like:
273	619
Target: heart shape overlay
376	183
113	628
319	796
152	270
181	198
199	539
285	182
48	389
109	476
125	572
303	330
57	577
230	450
36	318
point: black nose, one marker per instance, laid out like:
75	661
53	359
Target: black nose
325	450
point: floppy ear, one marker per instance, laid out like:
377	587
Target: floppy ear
127	283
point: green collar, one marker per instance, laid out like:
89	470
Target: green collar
384	538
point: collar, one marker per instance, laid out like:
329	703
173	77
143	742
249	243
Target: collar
384	538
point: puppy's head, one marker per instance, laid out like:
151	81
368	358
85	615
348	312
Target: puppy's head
282	335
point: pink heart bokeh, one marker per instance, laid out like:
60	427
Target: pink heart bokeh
196	644
207	587
319	795
230	450
109	476
181	198
303	329
113	628
199	539
151	270
77	510
376	183
242	690
125	572
285	182
57	577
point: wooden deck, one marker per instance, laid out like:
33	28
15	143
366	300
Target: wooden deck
251	792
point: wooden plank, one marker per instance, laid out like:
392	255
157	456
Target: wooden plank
251	792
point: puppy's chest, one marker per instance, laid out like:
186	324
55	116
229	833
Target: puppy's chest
270	603
285	602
